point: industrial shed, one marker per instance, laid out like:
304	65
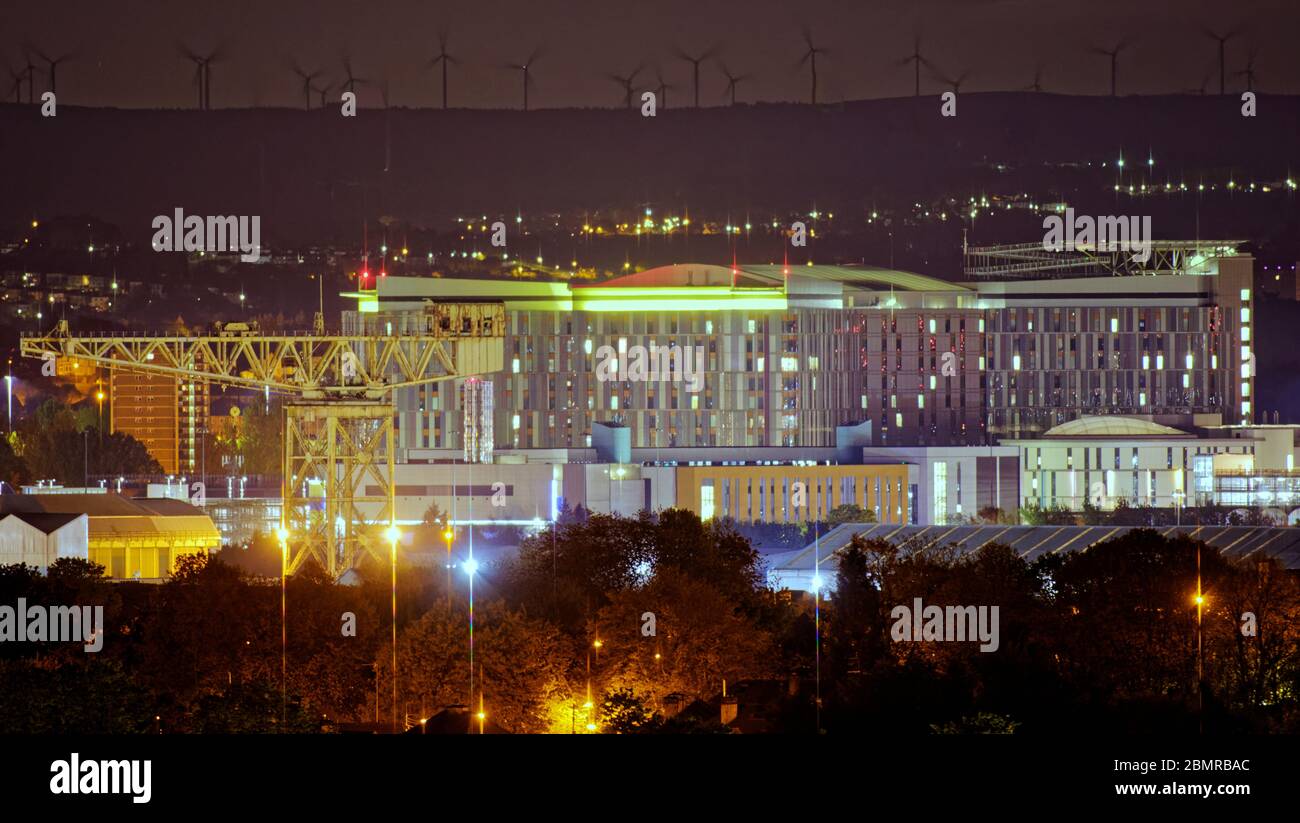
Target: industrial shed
133	539
798	569
38	538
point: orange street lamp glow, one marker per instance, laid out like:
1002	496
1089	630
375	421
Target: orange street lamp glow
598	644
1199	599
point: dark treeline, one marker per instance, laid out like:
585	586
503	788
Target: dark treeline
606	622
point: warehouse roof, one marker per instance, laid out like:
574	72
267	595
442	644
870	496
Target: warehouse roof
47	523
1029	542
113	517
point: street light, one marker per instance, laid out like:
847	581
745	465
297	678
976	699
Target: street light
1200	676
471	567
283	534
448	535
9	385
394	534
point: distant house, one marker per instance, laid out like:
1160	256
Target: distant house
40	538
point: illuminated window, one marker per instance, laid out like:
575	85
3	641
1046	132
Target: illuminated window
706	500
940	489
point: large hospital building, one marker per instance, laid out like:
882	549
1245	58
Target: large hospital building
790	354
856	369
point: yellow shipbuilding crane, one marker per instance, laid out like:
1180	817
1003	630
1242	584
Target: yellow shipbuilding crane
338	424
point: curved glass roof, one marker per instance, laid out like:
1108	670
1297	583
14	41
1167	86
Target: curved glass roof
1113	426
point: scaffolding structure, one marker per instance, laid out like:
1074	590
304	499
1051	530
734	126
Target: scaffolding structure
1031	261
338	448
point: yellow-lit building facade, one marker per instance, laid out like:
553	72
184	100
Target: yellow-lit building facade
793	493
165	413
146	548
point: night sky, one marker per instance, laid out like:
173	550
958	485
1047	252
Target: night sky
127	51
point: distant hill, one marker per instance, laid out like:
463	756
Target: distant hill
312	175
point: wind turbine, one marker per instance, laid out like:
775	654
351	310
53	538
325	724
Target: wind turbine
323	90
352	80
1249	71
1223	42
213	57
202	73
954	82
695	60
1037	85
31	78
1205	83
526	67
1113	54
661	91
917	60
445	59
810	57
733	80
52	64
626	84
17	88
306	77
198	71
